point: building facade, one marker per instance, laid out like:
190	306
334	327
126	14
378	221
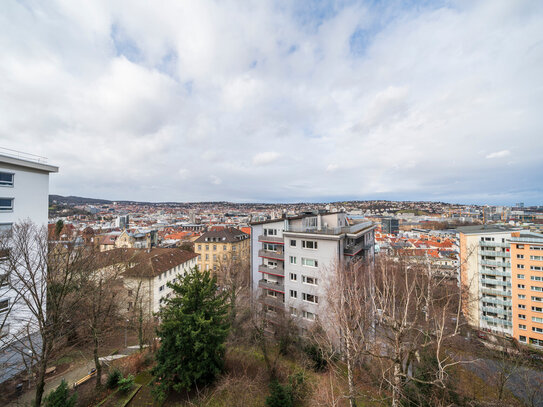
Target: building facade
485	277
24	195
292	261
219	248
527	270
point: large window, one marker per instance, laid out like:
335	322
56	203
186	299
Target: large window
6	204
309	280
6	179
309	262
309	244
309	315
4	306
270	232
310	298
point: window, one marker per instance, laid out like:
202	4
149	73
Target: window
521	296
521	316
207	247
6	204
199	247
520	256
537	329
536	288
309	280
536	247
536	278
292	259
520	276
271	293
214	247
309	244
234	248
272	247
537	319
537	309
214	257
207	256
536	268
293	311
199	257
310	298
292	243
4	306
309	262
538	258
223	247
521	286
520	246
309	315
522	306
6	179
522	338
5	228
293	294
537	299
520	266
293	276
161	288
522	326
270	232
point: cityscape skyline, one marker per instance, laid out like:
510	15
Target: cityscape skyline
275	102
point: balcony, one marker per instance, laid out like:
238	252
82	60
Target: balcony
495	282
272	301
493	253
271	255
493	244
495	263
494	272
278	270
270	239
270	285
351	250
494	291
496	310
498	321
496	301
352	229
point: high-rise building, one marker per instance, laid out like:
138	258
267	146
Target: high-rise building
485	277
527	270
390	225
293	257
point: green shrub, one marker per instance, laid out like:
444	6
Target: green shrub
280	396
316	355
126	384
113	378
60	397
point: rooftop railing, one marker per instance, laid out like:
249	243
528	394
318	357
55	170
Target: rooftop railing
21	155
328	230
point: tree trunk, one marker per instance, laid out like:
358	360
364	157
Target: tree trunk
97	363
350	375
140	328
397	380
40	374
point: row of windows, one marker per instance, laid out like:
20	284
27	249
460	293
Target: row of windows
305	296
305	262
521	246
214	247
305	314
215	257
533	341
305	279
534	268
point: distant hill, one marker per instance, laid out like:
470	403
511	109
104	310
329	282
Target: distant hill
76	200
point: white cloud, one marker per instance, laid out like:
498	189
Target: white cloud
399	99
265	158
499	154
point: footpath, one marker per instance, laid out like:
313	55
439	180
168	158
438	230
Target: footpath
71	376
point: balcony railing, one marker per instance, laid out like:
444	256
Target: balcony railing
270	285
496	263
493	244
493	291
497	321
278	270
270	239
271	255
277	302
496	301
353	249
495	282
357	227
494	272
497	310
493	253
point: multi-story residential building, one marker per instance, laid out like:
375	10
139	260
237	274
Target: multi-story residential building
293	259
139	240
527	270
485	277
24	195
218	248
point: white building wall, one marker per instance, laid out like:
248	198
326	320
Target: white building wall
168	277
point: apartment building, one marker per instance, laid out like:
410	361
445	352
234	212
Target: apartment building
292	260
485	277
527	270
24	195
217	248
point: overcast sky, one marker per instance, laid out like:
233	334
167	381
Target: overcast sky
278	101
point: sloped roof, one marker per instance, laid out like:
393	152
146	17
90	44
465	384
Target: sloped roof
226	235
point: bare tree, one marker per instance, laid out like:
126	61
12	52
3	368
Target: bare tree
44	278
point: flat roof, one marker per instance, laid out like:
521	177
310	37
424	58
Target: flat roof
19	162
479	229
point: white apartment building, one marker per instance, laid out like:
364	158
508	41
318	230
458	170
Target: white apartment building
292	260
24	195
485	277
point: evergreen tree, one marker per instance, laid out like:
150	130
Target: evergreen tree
193	330
60	397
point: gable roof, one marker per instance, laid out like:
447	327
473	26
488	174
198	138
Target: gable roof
226	235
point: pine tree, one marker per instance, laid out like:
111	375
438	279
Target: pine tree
193	330
60	397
